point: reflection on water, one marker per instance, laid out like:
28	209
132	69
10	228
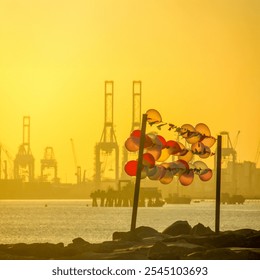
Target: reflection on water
61	221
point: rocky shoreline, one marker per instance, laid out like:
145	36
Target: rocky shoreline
179	241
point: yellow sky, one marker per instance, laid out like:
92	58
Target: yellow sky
198	62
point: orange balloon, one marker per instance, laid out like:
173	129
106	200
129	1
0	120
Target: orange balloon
202	129
185	129
153	116
206	175
167	178
209	141
132	144
187	157
187	178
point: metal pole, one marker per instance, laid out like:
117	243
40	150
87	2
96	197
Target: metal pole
138	174
218	183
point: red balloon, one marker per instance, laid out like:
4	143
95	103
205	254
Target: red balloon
148	160
148	142
136	133
173	147
162	141
131	167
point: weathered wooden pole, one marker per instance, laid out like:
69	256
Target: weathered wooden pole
218	183
138	174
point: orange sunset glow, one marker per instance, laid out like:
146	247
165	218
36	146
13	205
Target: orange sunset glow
198	62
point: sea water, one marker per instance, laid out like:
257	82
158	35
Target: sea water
54	221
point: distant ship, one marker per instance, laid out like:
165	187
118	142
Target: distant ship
226	198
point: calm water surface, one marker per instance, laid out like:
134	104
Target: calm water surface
56	221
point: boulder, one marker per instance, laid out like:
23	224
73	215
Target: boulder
214	254
173	251
178	228
200	229
126	236
144	231
230	239
158	250
79	242
37	250
253	241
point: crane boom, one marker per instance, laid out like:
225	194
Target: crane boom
77	168
74	153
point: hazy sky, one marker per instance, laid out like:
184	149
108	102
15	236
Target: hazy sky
198	61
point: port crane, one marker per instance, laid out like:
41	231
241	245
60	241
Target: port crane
77	167
49	163
136	119
24	160
107	148
8	157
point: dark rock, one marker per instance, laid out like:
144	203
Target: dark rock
143	232
157	250
126	236
230	239
38	250
79	242
200	229
245	231
253	241
214	254
178	241
174	251
177	228
247	254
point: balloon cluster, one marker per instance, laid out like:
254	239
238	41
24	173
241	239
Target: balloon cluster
157	151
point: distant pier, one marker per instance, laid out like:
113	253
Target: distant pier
150	197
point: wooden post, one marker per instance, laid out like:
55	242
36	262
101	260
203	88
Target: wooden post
138	174
218	183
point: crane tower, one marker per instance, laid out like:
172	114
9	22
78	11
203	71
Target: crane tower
49	163
24	160
107	151
136	117
136	114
